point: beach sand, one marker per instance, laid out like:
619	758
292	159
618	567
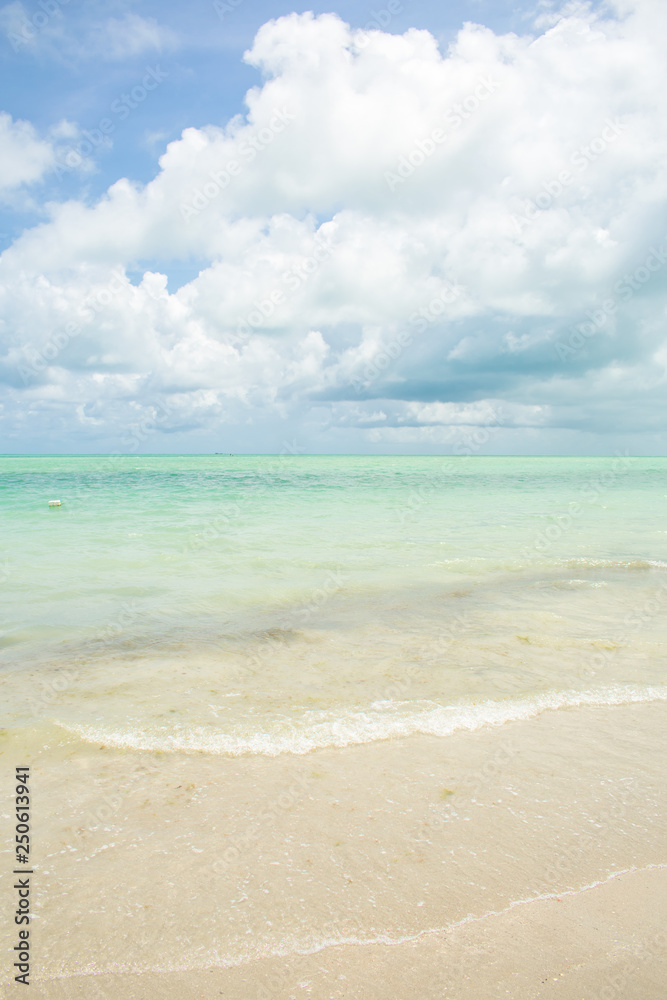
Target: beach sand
607	941
523	860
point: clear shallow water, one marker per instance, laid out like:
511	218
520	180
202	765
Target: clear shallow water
253	603
313	706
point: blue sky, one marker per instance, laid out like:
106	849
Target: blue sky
413	227
60	71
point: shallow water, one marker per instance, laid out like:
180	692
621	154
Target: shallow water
277	704
221	602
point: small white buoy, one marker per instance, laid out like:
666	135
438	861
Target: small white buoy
54	503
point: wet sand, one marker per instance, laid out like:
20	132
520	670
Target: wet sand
608	941
525	860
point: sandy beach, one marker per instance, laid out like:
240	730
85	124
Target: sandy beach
525	860
557	949
343	748
333	500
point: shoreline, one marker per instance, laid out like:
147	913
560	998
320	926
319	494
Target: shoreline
560	947
162	866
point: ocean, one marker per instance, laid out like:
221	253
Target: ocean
282	672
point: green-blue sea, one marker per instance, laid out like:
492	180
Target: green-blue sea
240	604
322	726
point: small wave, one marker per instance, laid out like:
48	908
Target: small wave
380	721
572	584
632	564
348	932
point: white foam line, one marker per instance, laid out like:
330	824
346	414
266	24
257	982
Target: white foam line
379	939
552	895
471	918
380	721
614	563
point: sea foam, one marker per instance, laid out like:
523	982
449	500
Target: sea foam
379	721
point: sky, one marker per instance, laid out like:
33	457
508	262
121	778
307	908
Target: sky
247	226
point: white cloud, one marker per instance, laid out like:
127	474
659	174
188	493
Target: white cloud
386	222
121	38
45	31
25	157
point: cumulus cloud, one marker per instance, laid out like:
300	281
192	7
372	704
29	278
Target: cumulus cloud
25	156
396	239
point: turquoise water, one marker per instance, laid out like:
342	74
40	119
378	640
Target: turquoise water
222	601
